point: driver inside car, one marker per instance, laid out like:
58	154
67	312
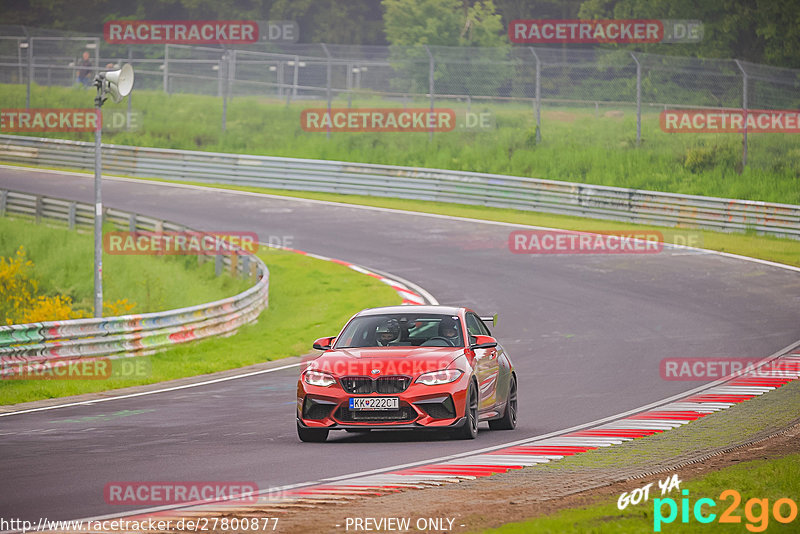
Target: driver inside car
387	333
448	329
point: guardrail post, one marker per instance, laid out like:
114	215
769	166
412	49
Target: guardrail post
638	99
73	206
234	263
3	202
218	265
538	96
132	222
38	209
245	265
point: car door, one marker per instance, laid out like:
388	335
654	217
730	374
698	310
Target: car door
487	366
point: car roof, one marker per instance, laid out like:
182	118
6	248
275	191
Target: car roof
444	310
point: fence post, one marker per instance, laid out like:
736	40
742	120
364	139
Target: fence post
232	74
130	95
280	79
431	68
224	66
328	86
3	202
166	68
349	85
638	99
220	73
218	265
538	96
293	91
744	107
19	58
30	73
296	77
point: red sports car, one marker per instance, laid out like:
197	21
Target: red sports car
408	367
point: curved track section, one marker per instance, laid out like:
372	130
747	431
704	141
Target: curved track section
586	332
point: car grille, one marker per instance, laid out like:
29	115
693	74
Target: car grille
357	384
364	385
403	415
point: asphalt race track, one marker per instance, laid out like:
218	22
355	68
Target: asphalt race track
586	332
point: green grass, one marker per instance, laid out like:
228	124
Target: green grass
758	479
576	146
308	298
64	265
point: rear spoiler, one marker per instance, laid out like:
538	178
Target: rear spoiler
490	319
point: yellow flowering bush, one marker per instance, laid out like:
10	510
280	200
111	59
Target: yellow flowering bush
20	301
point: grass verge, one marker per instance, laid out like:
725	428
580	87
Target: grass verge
757	479
64	265
309	298
773	479
578	144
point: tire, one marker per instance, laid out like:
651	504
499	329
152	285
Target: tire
509	419
312	435
470	428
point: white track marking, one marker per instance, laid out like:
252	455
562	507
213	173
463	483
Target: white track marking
142	393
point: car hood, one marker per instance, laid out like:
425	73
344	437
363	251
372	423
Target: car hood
375	362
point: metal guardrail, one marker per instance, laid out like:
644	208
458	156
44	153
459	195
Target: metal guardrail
129	335
567	198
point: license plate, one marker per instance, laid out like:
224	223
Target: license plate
374	403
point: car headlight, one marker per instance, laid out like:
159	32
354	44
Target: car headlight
317	378
436	378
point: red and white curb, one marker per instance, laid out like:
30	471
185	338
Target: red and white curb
412	296
666	417
526	453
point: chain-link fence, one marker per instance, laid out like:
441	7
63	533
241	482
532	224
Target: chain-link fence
536	75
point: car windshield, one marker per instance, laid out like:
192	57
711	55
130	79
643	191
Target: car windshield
402	330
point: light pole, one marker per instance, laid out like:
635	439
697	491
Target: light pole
118	84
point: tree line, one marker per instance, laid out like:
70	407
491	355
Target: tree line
761	31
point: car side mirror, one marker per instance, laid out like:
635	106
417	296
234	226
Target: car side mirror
483	342
324	343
